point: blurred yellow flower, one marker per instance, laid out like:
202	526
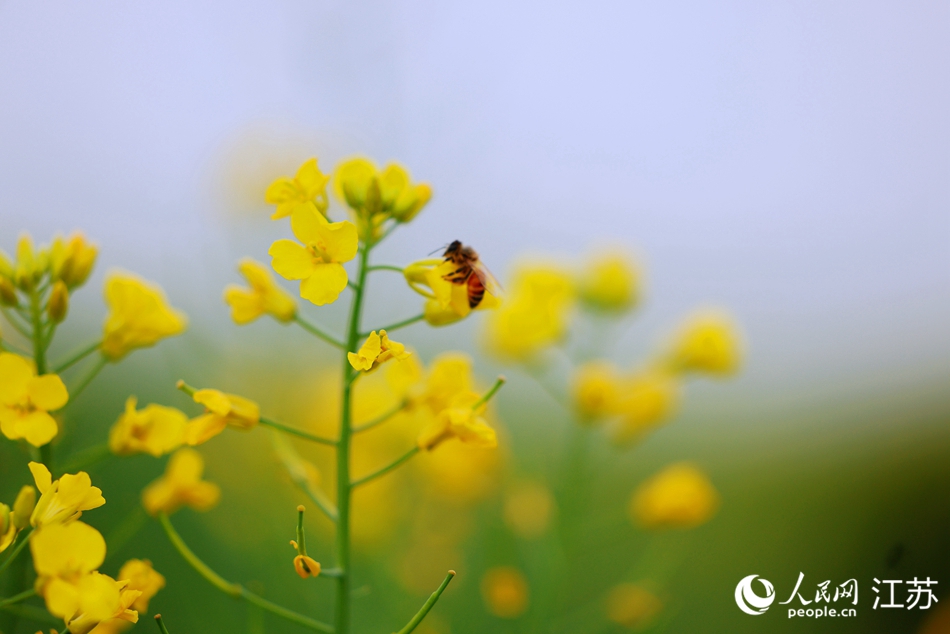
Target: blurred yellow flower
30	264
71	260
8	531
631	605
221	410
505	592
679	496
528	510
26	400
708	342
263	296
62	500
318	263
138	316
141	576
57	305
181	486
306	566
376	350
307	186
377	195
596	388
449	374
459	420
645	400
12	521
155	430
536	315
609	282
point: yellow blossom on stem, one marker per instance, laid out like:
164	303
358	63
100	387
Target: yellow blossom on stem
460	420
14	520
221	410
679	496
71	260
645	401
141	576
138	317
62	500
26	400
30	264
304	566
263	296
376	196
318	262
708	342
122	618
376	350
609	282
595	387
446	302
505	591
181	485
535	315
154	429
307	186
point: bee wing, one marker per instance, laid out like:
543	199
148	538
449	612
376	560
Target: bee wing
488	280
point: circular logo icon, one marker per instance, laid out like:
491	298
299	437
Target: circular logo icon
751	603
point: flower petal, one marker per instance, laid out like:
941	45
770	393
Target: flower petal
47	392
38	428
15	372
306	223
325	284
290	260
341	240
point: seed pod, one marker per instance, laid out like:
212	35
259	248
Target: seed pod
23	507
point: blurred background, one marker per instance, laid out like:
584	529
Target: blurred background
787	161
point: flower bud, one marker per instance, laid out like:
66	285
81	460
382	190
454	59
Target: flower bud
24	273
23	507
6	519
58	304
72	261
6	266
7	292
411	201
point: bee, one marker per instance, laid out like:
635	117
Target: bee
469	271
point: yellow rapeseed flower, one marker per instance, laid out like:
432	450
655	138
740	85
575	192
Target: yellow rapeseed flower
708	342
505	592
645	401
221	410
609	282
138	317
318	262
307	186
529	508
449	375
305	566
679	496
596	387
181	485
121	619
632	605
63	500
154	429
535	315
30	264
26	400
71	260
375	196
141	576
459	420
376	350
446	302
263	296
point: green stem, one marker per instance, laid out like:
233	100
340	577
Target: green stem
161	624
490	393
399	324
421	614
235	590
399	461
299	476
87	379
297	432
20	328
343	485
386	267
77	357
86	458
16	551
26	594
379	420
313	330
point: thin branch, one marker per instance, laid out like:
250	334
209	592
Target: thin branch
77	357
294	465
235	590
490	393
398	324
399	461
86	380
379	420
297	432
385	267
26	594
16	551
313	330
86	458
20	328
421	614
